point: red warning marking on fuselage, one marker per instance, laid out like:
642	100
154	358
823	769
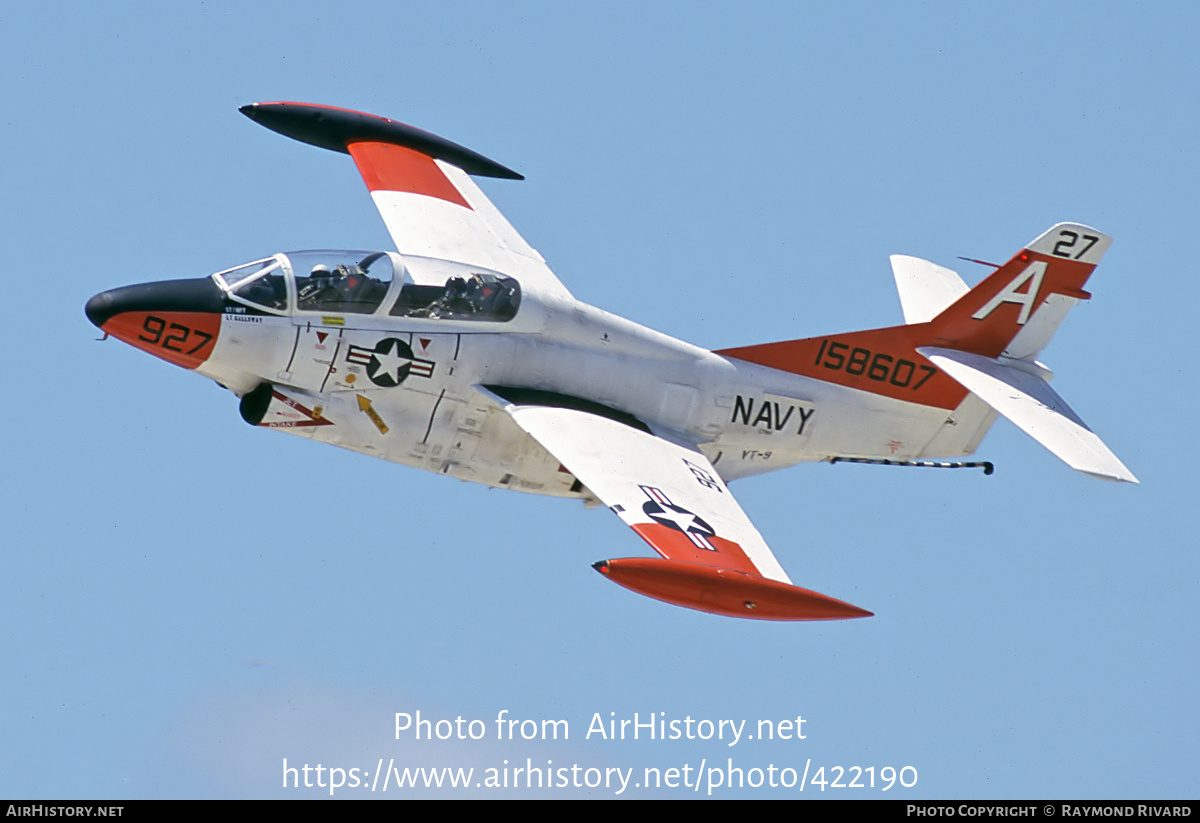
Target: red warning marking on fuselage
314	416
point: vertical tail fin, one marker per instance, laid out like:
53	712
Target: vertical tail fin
1014	312
988	338
981	341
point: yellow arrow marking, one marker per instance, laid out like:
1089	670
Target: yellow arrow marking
364	405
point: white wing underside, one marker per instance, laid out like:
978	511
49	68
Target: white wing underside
631	471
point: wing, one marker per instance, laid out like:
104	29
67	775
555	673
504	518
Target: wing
712	557
422	187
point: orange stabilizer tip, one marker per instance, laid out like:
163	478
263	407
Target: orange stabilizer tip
723	591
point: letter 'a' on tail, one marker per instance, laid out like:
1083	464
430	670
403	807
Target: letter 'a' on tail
1015	311
987	338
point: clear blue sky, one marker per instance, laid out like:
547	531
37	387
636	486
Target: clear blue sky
188	601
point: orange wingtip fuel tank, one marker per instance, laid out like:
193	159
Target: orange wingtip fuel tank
723	591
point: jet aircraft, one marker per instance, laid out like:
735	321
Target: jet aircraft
462	353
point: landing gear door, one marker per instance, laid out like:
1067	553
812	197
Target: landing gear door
313	356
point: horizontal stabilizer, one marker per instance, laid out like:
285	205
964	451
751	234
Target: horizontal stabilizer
1030	403
925	288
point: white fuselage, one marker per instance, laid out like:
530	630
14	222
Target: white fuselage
746	418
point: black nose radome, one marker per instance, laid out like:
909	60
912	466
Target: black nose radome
99	309
196	295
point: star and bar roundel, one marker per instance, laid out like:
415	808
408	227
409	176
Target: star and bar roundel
678	533
389	362
662	511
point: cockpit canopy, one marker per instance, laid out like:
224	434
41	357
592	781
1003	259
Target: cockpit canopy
372	283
